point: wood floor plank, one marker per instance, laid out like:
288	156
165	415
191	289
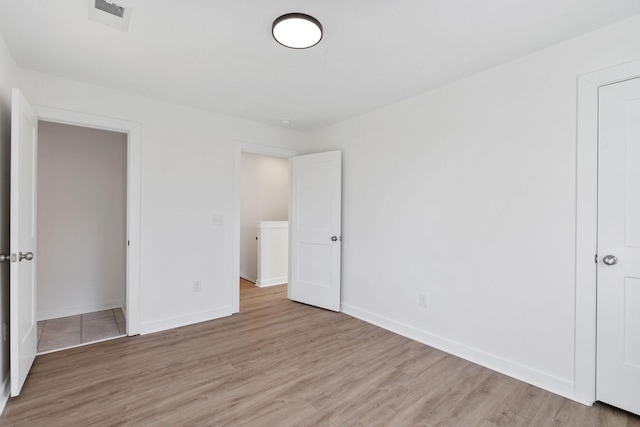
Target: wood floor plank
280	363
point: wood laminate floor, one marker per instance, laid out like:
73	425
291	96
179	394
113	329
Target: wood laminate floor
279	363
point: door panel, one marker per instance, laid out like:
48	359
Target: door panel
315	219
24	148
618	324
632	321
632	211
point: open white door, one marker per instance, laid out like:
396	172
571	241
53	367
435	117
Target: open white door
24	149
315	222
618	279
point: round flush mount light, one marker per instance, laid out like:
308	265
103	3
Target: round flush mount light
297	31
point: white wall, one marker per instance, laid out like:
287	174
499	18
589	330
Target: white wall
264	193
187	177
8	79
467	193
81	220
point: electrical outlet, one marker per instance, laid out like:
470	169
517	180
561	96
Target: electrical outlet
423	299
197	286
217	220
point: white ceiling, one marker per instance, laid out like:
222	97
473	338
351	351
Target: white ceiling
219	54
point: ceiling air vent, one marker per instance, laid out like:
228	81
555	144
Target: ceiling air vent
111	8
113	14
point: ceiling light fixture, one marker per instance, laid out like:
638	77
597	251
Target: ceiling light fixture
297	31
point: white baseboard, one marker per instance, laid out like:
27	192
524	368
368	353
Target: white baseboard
247	277
513	369
5	393
272	282
179	321
73	311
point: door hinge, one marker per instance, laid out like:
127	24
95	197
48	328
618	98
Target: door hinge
595	258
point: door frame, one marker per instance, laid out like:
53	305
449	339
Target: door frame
132	130
239	148
587	223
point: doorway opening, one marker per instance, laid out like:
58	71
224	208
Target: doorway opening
133	197
264	212
242	148
81	240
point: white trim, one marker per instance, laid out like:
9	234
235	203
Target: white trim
238	149
134	143
134	225
272	282
5	393
560	386
586	223
74	311
186	320
246	277
57	115
272	224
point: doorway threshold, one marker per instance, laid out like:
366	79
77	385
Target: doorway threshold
74	331
80	345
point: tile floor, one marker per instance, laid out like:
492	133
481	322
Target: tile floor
56	334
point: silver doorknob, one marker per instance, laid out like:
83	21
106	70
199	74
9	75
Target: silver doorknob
28	256
610	260
4	257
334	238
